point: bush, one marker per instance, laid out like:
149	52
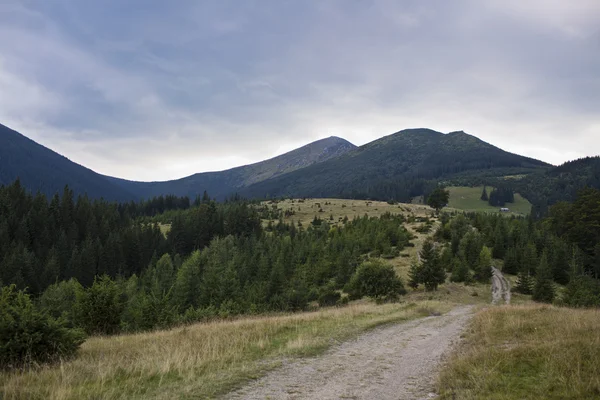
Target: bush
58	300
583	291
375	279
328	296
98	309
29	336
193	315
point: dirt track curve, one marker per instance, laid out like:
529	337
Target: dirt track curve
392	362
500	287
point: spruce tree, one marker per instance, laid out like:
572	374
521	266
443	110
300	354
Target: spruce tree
524	282
511	263
460	271
484	267
529	261
414	275
484	194
432	271
543	290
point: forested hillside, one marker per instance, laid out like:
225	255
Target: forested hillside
41	169
543	189
400	166
563	248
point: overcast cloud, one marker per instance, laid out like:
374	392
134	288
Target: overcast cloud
153	90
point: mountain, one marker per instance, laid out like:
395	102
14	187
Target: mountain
223	183
562	183
41	169
398	166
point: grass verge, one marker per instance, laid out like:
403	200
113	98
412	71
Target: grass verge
202	360
527	352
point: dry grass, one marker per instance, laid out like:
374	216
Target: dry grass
164	228
202	360
306	210
527	352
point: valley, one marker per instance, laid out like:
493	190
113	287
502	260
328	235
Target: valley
360	200
260	294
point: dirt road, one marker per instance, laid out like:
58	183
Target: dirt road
393	362
500	287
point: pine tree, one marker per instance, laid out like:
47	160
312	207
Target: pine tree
500	241
484	194
524	282
543	289
432	271
484	267
529	261
447	259
460	271
414	275
511	263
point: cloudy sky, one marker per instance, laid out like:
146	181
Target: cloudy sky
152	90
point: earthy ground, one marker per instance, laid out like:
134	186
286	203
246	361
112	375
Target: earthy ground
500	287
393	362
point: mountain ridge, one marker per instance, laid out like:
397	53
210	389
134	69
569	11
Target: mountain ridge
222	183
42	169
395	166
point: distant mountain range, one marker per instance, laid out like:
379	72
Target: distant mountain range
223	183
398	166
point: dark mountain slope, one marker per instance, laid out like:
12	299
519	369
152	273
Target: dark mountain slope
223	183
545	188
40	168
396	166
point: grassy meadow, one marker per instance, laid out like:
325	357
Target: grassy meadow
469	199
521	351
304	211
527	352
201	360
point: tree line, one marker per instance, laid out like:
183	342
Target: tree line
44	241
216	261
563	248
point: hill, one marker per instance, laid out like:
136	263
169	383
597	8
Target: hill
223	183
41	169
545	188
399	166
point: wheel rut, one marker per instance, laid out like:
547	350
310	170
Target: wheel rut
400	361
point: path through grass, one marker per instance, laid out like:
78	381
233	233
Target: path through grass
201	360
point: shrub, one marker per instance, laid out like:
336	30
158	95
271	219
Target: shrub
583	291
460	272
29	336
328	296
98	309
375	279
58	300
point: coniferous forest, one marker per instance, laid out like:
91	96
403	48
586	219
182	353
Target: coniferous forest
72	267
103	268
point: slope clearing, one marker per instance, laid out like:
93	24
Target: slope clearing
469	199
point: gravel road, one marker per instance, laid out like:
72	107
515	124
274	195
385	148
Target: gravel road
397	362
500	287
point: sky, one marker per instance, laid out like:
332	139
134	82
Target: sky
156	90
